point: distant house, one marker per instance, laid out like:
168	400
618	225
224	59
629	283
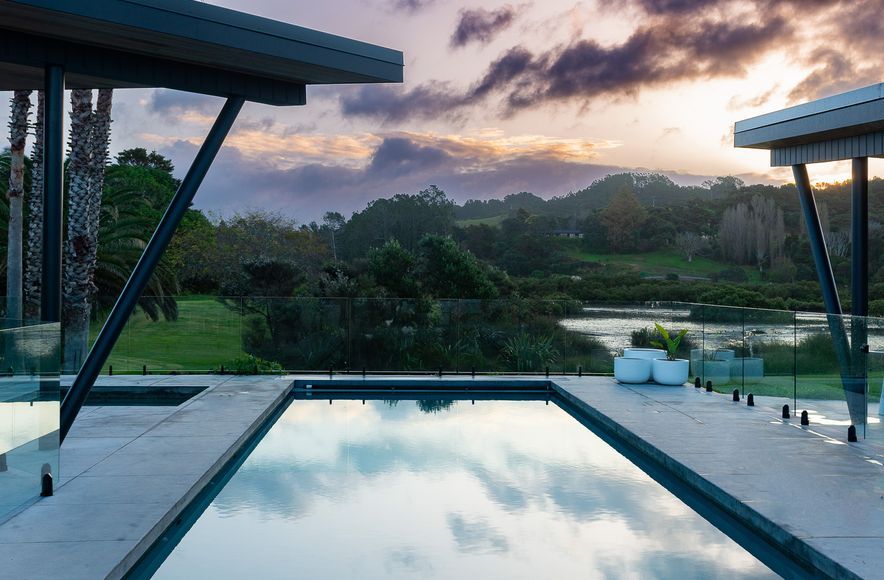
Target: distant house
571	231
566	233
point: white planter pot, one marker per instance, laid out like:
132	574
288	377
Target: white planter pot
717	371
670	372
647	353
749	369
632	370
724	354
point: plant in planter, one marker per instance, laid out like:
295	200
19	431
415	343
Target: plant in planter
670	370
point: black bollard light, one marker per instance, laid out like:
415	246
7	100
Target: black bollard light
473	372
786	414
440	372
46	481
110	370
331	372
222	369
698	384
805	419
547	372
363	372
580	370
708	386
750	400
736	396
851	434
144	370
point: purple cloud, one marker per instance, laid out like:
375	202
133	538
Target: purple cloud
480	25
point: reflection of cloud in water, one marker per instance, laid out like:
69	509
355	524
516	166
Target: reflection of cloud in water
520	486
408	559
476	536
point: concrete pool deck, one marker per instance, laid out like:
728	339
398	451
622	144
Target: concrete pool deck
127	472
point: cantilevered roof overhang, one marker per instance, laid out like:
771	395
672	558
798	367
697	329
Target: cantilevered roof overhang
835	128
179	44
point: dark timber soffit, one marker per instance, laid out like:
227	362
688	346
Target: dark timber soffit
834	128
180	44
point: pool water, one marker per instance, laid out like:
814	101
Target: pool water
446	489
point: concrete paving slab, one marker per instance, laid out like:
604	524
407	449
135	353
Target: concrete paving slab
128	472
809	491
66	559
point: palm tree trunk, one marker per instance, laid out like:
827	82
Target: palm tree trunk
76	280
83	220
18	132
34	264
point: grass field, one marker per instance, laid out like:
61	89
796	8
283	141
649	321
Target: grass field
489	221
658	263
205	335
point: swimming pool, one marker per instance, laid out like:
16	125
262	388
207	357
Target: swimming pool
442	488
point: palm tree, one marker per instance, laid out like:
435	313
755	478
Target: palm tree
18	132
34	259
123	233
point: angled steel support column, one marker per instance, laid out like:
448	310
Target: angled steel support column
125	304
829	290
53	168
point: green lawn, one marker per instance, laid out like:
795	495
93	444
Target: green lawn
808	387
490	221
658	263
205	336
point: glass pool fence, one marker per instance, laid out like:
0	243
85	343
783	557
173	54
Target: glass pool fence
831	365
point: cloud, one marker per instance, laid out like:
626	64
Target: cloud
837	39
179	106
673	41
411	5
399	156
737	103
653	55
833	73
480	25
390	104
482	165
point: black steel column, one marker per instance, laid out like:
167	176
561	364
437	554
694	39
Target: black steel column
125	304
859	278
859	272
53	167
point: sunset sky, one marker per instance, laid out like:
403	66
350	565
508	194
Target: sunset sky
504	97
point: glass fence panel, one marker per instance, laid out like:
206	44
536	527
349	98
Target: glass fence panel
29	411
823	371
390	334
601	331
875	374
177	334
765	364
488	331
293	333
723	342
